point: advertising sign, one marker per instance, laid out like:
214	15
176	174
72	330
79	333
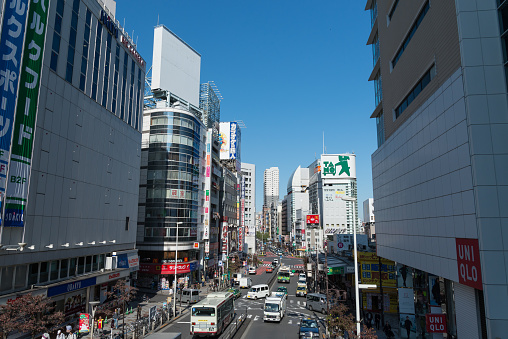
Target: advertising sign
335	270
369	269
468	262
435	323
338	166
72	286
26	114
11	47
225	237
313	219
224	136
233	127
84	323
208	181
406	300
168	268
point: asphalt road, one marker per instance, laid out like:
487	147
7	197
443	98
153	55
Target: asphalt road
256	327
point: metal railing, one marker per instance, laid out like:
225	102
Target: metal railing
234	327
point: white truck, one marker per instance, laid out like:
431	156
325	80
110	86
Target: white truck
275	307
245	282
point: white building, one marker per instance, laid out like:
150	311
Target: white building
298	200
83	186
271	187
249	173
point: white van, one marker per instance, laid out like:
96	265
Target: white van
245	282
189	296
258	291
316	302
302	276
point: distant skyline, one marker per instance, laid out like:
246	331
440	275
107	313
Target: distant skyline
290	70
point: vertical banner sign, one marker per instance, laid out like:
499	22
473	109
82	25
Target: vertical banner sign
208	178
468	262
11	47
26	114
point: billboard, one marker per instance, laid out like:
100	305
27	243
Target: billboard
176	66
369	270
338	166
230	141
313	219
468	262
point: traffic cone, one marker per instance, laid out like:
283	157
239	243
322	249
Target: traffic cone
106	320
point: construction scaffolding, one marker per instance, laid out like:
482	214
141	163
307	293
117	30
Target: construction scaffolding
209	103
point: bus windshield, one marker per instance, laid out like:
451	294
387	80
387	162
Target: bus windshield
203	311
271	307
284	274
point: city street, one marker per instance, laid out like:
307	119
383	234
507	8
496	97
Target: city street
256	327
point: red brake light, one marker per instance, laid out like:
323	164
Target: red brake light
212	324
193	323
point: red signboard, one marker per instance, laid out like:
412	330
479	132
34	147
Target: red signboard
166	268
313	219
468	262
435	323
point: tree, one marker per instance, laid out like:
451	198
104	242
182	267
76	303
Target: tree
339	321
29	314
123	294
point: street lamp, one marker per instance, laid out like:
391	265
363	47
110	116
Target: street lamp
176	259
94	305
357	288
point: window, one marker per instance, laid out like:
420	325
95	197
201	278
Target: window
380	127
33	274
72	267
20	277
64	268
106	72
115	77
55	48
373	13
86	44
72	41
81	265
88	265
394	6
95	263
378	89
375	49
54	270
124	84
131	93
412	31
98	40
44	272
126	223
422	83
6	278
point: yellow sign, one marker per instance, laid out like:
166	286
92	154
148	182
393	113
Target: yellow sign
370	270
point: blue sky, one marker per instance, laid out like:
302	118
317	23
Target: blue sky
290	70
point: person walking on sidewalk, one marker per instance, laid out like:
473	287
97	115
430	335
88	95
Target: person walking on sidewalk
70	334
60	335
115	319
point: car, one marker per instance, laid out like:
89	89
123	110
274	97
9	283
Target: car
301	291
269	269
236	292
275	261
282	289
291	273
252	270
309	328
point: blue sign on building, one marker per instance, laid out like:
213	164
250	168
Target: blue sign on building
123	261
70	287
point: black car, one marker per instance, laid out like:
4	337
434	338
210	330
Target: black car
309	328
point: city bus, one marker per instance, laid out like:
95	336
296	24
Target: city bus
283	275
211	316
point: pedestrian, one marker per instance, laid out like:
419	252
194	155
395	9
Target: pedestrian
139	313
377	320
69	333
100	324
387	329
407	325
115	319
45	336
60	335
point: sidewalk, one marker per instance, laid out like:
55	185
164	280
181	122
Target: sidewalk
155	299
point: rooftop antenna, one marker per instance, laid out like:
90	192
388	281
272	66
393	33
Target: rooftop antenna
157	19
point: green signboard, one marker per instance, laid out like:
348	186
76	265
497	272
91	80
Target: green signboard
335	270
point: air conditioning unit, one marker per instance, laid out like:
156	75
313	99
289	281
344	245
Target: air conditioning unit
111	263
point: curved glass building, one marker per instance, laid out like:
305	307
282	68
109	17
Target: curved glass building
170	193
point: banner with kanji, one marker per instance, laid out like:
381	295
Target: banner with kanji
11	49
26	114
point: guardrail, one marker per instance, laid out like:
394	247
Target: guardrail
234	327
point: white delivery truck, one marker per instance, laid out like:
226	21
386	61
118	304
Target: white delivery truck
245	282
275	307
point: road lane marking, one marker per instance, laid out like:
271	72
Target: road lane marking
249	316
290	321
183	322
256	318
298	302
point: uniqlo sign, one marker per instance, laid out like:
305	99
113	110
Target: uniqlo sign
435	323
468	262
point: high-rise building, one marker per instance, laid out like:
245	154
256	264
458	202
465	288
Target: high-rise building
271	187
297	200
209	102
249	173
173	161
72	212
439	170
369	220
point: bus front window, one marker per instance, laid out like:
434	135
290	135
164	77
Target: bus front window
203	312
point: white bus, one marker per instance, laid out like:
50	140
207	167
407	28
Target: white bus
211	316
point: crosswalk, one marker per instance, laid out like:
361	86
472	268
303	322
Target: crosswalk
292	318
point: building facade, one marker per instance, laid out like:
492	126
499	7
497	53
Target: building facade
438	173
82	106
249	173
271	187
